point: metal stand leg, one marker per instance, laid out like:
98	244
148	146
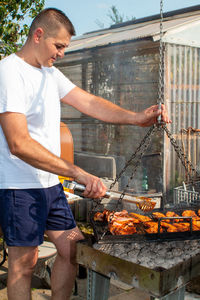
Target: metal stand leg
97	286
177	295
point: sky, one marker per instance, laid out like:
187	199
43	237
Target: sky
91	15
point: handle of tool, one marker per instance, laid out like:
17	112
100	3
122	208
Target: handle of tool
80	187
159	117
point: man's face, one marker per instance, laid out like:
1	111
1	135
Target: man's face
51	48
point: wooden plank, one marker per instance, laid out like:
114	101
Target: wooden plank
113	267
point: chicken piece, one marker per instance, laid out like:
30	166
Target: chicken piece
168	226
123	220
108	215
181	227
141	218
173	214
99	216
198	212
190	213
117	214
117	228
122	213
195	225
102	216
152	227
158	215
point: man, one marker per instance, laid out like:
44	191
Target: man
31	198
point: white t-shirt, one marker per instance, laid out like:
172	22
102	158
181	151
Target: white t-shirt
36	93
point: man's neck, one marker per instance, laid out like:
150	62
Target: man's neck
26	53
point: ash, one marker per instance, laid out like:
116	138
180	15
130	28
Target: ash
153	255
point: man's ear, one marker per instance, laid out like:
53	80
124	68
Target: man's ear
38	33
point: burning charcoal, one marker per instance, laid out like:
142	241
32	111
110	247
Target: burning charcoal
151	265
177	252
137	247
133	254
160	261
167	264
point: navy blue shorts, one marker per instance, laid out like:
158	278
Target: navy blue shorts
25	214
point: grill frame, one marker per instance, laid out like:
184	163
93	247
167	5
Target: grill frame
104	236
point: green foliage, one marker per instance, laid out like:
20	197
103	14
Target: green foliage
116	17
12	30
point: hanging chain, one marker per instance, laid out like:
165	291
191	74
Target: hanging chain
138	153
133	156
161	63
190	169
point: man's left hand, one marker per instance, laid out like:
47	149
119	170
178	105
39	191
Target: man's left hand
149	116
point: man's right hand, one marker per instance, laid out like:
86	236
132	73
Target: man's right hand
94	187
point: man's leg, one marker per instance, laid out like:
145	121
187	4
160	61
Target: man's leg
64	269
21	263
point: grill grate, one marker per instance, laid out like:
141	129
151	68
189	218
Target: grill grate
103	235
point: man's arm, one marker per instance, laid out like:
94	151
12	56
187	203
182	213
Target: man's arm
106	111
21	144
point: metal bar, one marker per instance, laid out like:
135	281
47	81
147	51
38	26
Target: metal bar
97	286
179	294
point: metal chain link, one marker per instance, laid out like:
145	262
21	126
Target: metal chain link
190	169
161	64
139	154
133	156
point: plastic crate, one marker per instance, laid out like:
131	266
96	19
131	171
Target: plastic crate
187	193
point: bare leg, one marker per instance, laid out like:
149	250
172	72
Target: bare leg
21	263
64	269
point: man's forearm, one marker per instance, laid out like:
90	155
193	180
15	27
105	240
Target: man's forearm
33	153
107	111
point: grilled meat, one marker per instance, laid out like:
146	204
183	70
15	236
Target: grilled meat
124	223
189	213
181	227
158	215
99	216
169	227
141	218
173	214
152	227
195	225
118	228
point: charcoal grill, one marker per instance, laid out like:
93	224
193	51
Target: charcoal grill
119	262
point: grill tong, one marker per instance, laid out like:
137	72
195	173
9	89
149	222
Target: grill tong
143	203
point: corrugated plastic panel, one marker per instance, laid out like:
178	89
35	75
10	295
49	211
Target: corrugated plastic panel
131	32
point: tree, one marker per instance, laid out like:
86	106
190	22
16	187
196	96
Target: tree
12	29
116	17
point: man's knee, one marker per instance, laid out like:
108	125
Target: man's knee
22	262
